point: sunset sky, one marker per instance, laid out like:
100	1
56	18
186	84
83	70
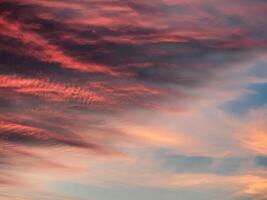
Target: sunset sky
133	99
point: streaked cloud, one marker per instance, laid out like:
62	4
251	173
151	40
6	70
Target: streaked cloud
163	95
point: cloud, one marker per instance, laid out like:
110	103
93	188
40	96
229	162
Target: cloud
204	164
261	161
253	134
109	79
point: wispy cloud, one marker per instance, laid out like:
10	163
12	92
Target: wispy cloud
94	89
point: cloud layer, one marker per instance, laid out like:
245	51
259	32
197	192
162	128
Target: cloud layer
88	84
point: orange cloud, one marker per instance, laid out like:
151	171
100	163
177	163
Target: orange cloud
253	133
255	139
49	90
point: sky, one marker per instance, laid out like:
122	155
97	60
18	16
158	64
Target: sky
131	99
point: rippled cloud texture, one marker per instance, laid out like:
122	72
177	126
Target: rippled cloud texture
126	100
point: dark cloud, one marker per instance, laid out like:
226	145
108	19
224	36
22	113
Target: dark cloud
203	164
261	161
